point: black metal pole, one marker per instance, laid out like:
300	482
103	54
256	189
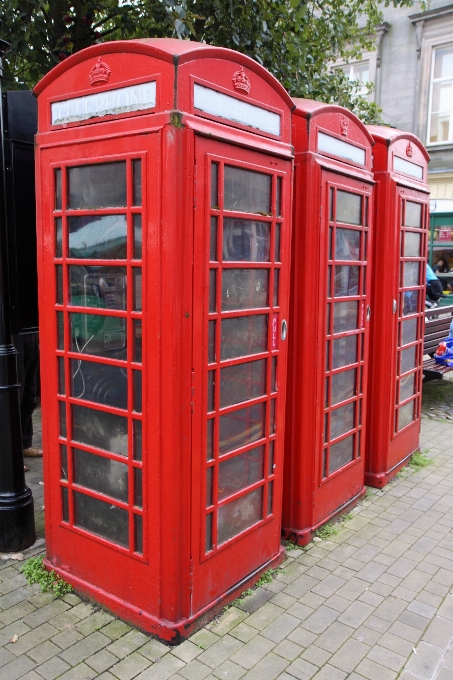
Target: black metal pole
17	521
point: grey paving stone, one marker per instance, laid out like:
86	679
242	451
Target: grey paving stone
85	648
129	667
116	629
229	671
16	669
414	620
196	671
220	651
439	633
169	666
302	637
320	620
445	674
356	614
373	671
230	619
334	637
315	655
422	609
45	613
53	668
288	650
388	658
446	609
396	644
280	628
243	632
16	612
94	622
301	586
330	673
252	652
157	650
390	609
425	662
406	632
329	585
126	644
301	669
67	638
268	668
187	651
43	652
256	600
264	616
349	655
80	672
101	661
31	639
371	571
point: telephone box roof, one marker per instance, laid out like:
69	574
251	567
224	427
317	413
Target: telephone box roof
388	136
309	108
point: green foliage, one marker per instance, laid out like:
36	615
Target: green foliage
326	531
296	40
35	572
418	461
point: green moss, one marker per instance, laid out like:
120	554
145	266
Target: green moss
35	572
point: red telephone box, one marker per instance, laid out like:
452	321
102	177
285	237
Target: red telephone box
398	298
165	172
329	318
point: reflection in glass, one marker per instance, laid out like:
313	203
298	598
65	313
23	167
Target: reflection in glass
342	420
137	340
343	386
137	444
413	215
60	330
247	191
245	288
98	335
97	186
212	290
407	387
209	439
279	200
277	243
410	302
341	453
61	387
246	240
274	374
64	504
243	335
408	359
109	477
346	281
63	462
138	534
58	192
211	384
344	351
209	490
241	471
347	244
270	498
62	413
103	430
406	415
211	342
270	470
138	494
276	285
214	185
137	181
242	382
409	333
239	515
241	427
411	274
327	355
213	240
208	544
412	243
345	316
331	206
137	391
100	287
100	383
97	237
349	208
272	417
137	220
58	237
59	270
137	279
102	519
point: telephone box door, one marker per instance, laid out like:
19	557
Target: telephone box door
240	311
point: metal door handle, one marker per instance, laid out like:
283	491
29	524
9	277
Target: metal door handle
394	306
284	332
368	313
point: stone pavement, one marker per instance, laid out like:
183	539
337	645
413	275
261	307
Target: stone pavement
374	601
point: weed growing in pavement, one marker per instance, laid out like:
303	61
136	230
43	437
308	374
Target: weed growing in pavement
326	531
419	461
291	545
35	572
267	577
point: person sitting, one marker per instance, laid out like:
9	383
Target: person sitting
434	290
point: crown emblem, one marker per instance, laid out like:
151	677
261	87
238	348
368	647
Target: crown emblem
241	81
100	73
409	151
344	124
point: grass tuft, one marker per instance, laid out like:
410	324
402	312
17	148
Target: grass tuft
419	461
35	572
326	531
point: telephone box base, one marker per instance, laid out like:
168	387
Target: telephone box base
304	536
170	632
379	479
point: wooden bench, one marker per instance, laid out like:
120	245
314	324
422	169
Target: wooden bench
437	328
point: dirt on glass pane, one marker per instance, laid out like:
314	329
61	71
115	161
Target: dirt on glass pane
241	427
104	475
245	288
341	454
243	335
241	471
247	191
102	185
103	519
242	382
239	515
246	240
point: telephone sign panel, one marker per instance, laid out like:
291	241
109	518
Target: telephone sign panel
329	322
398	301
165	172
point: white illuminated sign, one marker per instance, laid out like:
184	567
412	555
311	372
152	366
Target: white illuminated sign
236	110
337	147
407	168
112	102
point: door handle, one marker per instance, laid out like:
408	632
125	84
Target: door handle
284	332
394	306
368	313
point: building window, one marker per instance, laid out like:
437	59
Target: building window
358	71
441	97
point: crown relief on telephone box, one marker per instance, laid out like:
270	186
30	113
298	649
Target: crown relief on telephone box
164	183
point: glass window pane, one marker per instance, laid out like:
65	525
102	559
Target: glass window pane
138	534
406	415
63	462
272	417
279	197
247	191
209	439
60	330
239	515
101	287
137	340
241	471
98	335
137	289
241	427
214	185
58	237
346	281
245	288
270	498
208	532
411	274
57	188
276	286
209	489
213	240
102	519
344	351
277	243
137	181
443	64
341	454
407	387
65	504
274	374
62	413
271	459
409	331
243	335
212	291
137	391
242	382
408	359
100	383
137	220
349	208
59	271
345	316
137	444
211	342
410	302
413	215
104	475
97	186
101	237
412	244
211	385
246	240
343	386
61	386
138	494
347	244
106	431
342	420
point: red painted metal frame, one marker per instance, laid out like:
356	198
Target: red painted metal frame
171	587
387	448
311	498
